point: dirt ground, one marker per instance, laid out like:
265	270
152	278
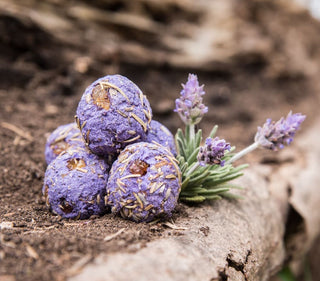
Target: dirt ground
40	87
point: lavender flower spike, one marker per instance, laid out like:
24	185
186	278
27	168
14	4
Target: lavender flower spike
212	152
189	106
275	135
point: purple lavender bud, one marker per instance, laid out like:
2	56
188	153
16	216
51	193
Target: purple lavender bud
112	113
75	184
144	182
275	135
212	152
160	134
189	106
61	139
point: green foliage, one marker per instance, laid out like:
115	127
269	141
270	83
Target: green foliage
286	274
203	183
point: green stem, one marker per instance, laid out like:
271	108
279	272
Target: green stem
192	169
243	152
192	132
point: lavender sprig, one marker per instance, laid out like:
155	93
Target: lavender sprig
274	135
189	106
208	178
207	170
204	175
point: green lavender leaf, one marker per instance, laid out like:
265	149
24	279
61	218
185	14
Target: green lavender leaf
193	157
213	197
213	131
185	183
198	138
200	183
184	167
213	191
193	199
230	195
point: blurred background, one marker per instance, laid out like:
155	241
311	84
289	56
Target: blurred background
312	5
257	59
260	52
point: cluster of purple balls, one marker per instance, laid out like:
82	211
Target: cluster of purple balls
114	157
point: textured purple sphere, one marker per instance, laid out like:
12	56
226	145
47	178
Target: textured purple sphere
160	134
144	182
61	139
75	184
112	113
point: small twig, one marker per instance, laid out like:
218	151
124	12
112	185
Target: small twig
173	226
31	252
9	214
39	229
17	130
154	222
111	236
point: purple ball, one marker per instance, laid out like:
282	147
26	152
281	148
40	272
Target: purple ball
144	182
160	134
61	139
75	184
112	113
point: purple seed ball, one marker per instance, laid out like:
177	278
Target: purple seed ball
61	139
113	113
144	182
75	184
160	134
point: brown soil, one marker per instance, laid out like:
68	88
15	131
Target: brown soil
40	86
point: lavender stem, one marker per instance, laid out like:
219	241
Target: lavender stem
243	152
192	132
193	168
